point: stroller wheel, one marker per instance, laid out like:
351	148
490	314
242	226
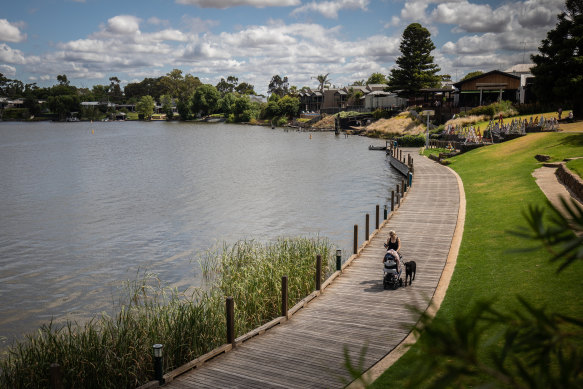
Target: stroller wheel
394	286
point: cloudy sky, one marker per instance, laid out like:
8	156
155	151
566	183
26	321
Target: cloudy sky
92	40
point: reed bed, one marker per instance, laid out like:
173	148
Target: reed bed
116	352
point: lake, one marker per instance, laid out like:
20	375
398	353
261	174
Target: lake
86	206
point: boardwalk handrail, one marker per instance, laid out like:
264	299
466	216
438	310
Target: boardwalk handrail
401	193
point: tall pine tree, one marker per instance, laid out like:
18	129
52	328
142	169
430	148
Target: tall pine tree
558	68
416	69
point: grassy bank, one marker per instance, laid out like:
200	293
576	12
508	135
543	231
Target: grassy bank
116	352
499	187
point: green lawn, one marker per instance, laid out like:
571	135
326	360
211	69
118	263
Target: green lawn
576	165
499	187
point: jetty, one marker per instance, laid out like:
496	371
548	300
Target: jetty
352	313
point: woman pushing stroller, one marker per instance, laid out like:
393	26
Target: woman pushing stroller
393	242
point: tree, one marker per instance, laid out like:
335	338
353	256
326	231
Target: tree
114	90
145	107
63	105
227	103
167	102
62	78
376	78
205	100
416	69
227	86
472	75
359	83
245	89
558	68
278	86
289	106
323	81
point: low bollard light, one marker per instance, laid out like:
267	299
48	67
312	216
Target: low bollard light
338	259
386	212
158	366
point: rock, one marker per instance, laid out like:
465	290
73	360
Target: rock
542	158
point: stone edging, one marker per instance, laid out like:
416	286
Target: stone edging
379	368
571	180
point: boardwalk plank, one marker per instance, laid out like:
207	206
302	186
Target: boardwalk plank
307	351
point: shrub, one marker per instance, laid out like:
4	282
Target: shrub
411	141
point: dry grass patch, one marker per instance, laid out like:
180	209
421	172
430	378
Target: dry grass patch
468	120
326	122
401	124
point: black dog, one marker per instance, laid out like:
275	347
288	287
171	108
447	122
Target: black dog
410	270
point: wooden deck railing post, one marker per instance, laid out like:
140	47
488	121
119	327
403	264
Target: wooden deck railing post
56	376
385	213
355	239
377	217
230	308
392	200
318	272
284	296
367	231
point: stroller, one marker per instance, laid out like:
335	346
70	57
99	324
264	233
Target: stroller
392	278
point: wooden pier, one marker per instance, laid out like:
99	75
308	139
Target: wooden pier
354	311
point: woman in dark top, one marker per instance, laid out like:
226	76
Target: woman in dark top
393	243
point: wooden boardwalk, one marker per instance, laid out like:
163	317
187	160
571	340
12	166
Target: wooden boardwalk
307	351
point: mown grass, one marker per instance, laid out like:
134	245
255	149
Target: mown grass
116	352
499	187
576	166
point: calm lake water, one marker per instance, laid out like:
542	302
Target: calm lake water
85	206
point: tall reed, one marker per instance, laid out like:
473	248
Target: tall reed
116	352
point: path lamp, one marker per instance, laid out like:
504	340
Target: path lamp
338	259
386	211
158	369
428	113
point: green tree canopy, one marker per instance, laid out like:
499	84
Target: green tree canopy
278	86
558	68
323	81
145	106
205	100
289	106
376	78
416	69
472	74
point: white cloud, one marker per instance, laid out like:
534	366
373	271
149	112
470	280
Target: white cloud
330	9
473	44
222	4
7	70
123	25
9	32
473	17
10	55
534	14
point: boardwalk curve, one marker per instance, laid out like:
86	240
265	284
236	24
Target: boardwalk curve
307	351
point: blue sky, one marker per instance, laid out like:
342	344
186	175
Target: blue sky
92	40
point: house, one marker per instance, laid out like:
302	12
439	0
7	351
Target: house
341	99
488	88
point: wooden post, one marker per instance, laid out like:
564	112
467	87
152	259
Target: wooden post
230	308
367	231
378	216
392	200
355	239
402	187
318	272
284	296
56	376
